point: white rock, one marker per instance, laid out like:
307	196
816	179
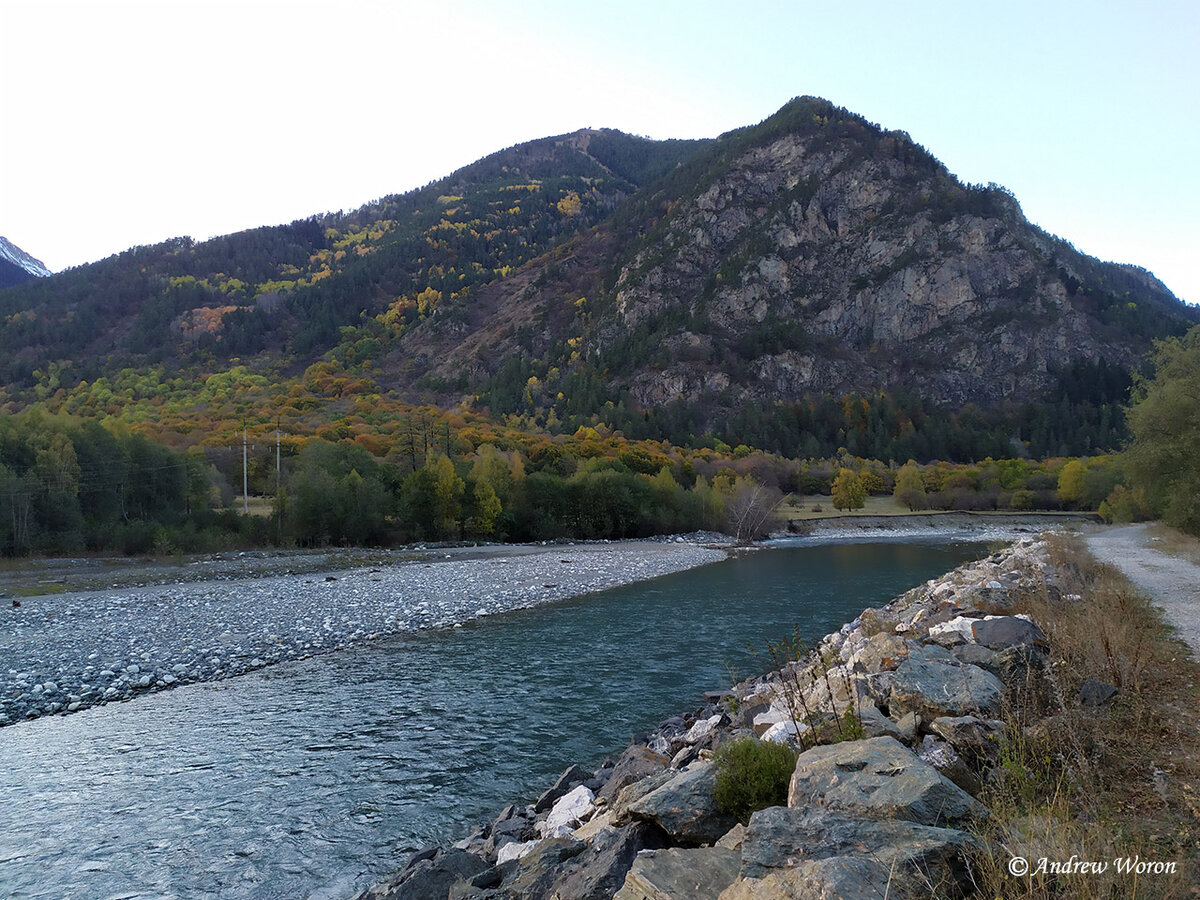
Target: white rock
514	850
958	625
570	810
776	714
701	729
784	732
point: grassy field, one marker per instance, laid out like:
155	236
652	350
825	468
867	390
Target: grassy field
818	506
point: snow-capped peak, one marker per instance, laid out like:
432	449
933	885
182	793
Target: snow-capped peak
18	257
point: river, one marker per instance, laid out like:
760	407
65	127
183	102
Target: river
314	778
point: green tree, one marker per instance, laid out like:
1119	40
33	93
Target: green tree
486	509
848	491
448	491
1163	458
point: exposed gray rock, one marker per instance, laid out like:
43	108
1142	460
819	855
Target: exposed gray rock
598	872
685	808
1094	693
999	632
975	655
782	837
878	778
835	878
935	688
942	757
877	621
532	874
635	763
632	793
976	740
429	877
882	652
876	724
680	874
570	810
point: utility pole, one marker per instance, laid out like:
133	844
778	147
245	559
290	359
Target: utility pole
278	482
245	474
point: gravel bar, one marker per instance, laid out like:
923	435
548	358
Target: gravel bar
65	652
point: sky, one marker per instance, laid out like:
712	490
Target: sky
129	123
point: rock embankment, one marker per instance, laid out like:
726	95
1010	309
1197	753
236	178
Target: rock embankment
898	715
65	652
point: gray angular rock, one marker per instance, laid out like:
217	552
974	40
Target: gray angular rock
632	793
432	876
685	808
936	688
943	757
975	655
783	837
635	764
598	872
680	874
999	632
878	778
835	878
1093	693
976	740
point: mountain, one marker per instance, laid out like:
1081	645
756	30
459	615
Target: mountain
782	281
813	254
287	290
17	266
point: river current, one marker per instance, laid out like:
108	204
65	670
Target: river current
313	779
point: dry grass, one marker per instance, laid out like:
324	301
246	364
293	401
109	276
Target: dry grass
803	507
1097	785
1176	543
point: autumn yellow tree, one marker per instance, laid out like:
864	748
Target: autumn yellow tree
848	491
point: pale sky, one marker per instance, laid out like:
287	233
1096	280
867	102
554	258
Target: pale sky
128	123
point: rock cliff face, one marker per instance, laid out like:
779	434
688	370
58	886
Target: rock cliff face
811	254
897	276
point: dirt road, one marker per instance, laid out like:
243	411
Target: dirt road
1172	583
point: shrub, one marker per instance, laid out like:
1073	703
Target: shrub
753	775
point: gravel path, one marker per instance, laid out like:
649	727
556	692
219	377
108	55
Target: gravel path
1172	583
61	653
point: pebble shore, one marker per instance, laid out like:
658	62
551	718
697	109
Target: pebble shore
65	652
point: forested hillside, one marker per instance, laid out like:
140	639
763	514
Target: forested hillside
642	325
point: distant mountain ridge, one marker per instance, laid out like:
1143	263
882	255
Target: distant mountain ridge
672	287
17	266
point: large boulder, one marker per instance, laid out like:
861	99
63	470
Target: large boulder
434	874
680	874
782	838
878	778
976	740
595	873
685	808
882	652
634	765
999	632
835	878
934	687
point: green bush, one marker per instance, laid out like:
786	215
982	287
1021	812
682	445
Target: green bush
753	775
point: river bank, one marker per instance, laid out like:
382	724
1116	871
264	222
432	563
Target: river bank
930	687
76	633
67	651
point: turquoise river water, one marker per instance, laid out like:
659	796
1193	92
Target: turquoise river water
312	779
